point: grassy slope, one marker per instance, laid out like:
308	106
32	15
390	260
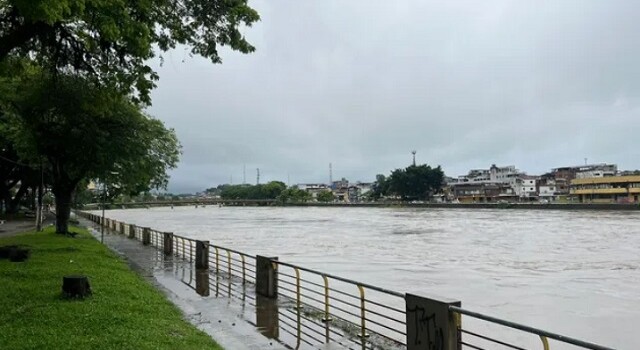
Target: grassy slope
125	311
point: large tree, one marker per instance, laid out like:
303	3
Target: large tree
325	196
83	130
113	40
415	182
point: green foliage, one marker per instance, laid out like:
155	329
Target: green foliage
380	187
124	312
84	130
270	190
415	182
114	40
294	195
325	196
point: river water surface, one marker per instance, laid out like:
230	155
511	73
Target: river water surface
572	272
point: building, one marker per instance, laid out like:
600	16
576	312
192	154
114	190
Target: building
506	174
340	184
313	189
526	187
585	171
475	175
547	188
481	192
609	189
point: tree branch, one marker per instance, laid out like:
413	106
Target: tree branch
20	36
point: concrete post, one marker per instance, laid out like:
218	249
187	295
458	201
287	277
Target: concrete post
202	282
202	255
266	277
122	228
430	324
132	231
168	243
146	236
267	317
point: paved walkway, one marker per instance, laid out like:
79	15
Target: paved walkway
13	227
230	324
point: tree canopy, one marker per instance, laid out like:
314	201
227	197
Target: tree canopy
270	190
325	196
81	130
415	182
113	40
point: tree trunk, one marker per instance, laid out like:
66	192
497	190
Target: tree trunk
63	209
14	204
40	216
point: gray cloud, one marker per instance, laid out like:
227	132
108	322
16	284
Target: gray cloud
360	84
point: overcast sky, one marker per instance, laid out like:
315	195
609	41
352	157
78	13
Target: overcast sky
359	84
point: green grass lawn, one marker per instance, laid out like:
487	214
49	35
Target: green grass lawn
124	312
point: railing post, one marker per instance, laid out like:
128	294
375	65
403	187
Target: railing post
266	277
430	324
132	231
168	243
146	236
202	282
202	254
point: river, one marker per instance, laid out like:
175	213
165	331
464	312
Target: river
572	272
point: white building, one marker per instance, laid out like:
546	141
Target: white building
598	170
526	186
547	191
476	175
506	174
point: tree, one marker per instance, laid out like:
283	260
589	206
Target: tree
83	130
415	182
380	187
325	196
294	195
270	190
114	40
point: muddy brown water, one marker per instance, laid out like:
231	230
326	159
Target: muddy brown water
572	272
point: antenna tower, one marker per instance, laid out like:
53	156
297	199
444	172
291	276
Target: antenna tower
330	174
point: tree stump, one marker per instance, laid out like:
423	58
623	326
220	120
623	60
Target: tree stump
5	251
75	286
19	254
14	253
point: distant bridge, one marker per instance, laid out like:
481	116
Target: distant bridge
188	202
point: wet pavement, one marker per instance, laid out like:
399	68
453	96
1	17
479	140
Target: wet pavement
225	305
230	323
13	227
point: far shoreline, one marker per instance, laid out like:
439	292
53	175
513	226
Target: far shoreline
250	203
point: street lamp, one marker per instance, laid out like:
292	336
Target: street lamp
104	200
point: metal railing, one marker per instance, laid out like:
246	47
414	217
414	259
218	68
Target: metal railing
367	313
184	247
365	310
476	340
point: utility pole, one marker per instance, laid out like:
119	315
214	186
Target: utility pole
257	176
414	157
39	211
330	175
244	174
288	180
231	180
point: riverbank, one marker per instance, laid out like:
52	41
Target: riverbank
124	311
250	203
